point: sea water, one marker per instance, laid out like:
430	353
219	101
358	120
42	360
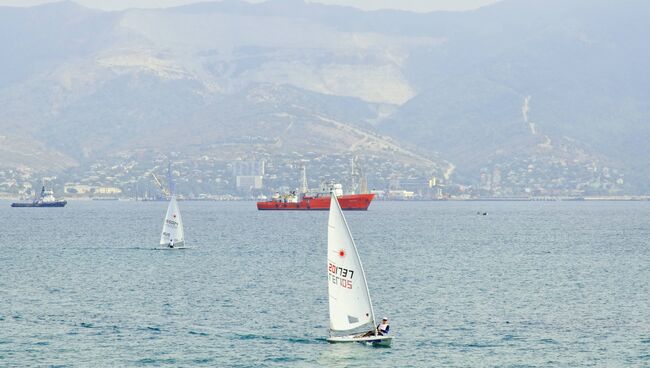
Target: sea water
527	285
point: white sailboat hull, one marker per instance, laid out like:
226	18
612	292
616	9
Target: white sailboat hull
374	340
176	247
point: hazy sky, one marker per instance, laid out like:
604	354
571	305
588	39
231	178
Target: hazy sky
413	5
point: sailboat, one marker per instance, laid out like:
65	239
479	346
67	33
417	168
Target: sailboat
352	318
172	236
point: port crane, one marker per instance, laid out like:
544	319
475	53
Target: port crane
160	185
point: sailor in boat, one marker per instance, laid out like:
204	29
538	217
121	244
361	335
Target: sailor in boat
381	330
383	327
171	242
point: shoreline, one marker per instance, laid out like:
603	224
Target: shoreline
476	199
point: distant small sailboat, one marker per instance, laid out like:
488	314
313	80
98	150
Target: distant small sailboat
172	236
352	318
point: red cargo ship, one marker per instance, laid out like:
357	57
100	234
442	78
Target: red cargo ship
358	202
317	202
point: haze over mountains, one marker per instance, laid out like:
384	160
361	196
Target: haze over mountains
554	89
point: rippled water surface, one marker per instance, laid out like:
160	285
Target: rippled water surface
528	285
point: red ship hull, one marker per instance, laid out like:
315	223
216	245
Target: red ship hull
350	202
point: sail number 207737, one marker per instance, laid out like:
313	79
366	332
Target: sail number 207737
340	276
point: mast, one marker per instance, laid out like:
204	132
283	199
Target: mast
303	181
358	181
363	181
353	173
363	185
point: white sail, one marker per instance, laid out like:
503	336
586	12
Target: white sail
349	301
172	232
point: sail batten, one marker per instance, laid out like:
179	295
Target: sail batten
350	307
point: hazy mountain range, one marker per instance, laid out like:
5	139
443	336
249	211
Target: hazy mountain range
518	83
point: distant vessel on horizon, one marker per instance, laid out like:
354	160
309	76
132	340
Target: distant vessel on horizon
305	200
45	199
317	202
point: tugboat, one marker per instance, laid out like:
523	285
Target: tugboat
46	199
317	202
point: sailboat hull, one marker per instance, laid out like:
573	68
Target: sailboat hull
348	202
40	204
374	340
180	245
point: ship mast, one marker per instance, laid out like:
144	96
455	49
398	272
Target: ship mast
358	181
303	181
363	184
353	174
